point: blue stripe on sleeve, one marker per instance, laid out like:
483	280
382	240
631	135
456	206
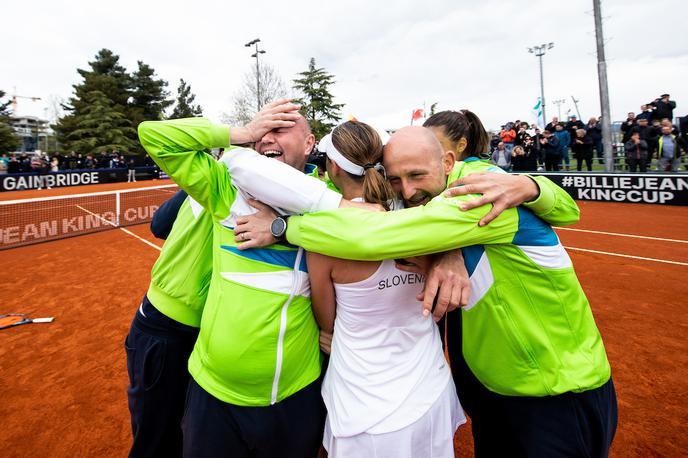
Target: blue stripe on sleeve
532	231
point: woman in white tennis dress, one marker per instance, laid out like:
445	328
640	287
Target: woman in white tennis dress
388	388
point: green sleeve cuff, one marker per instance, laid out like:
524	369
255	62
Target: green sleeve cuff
545	201
219	136
294	230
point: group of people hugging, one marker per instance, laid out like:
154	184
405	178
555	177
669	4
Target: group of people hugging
289	311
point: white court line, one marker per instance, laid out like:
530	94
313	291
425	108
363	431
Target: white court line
568	248
627	256
617	234
140	238
120	228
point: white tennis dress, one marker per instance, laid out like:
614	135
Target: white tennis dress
388	388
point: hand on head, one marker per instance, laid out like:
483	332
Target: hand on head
278	114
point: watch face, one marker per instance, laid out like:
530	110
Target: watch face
278	227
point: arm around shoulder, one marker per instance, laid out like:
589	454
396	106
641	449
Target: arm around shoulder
553	205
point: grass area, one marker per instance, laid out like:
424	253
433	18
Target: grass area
620	165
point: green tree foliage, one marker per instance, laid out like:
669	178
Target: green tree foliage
185	107
135	97
148	96
9	140
101	127
318	105
105	76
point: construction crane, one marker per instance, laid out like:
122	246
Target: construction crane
15	97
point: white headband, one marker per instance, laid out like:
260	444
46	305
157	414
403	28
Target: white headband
326	145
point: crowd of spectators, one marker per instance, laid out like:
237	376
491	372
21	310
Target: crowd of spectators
522	147
44	162
651	134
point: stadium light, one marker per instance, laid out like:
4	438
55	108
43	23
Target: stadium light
539	51
256	54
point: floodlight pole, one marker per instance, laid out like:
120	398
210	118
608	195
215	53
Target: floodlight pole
604	89
540	51
258	51
558	104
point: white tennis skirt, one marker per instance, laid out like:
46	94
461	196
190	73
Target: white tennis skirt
431	436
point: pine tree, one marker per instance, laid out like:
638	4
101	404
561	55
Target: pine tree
109	78
184	107
318	105
149	96
106	75
9	140
101	127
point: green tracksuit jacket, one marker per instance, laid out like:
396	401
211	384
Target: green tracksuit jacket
258	342
528	329
181	275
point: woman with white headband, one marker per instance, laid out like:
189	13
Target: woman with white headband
388	389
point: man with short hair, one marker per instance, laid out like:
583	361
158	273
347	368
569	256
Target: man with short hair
669	148
552	125
165	327
525	375
636	153
594	131
549	144
501	157
627	127
564	141
649	133
645	112
573	125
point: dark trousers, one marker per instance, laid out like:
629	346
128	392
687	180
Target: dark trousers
552	163
584	157
634	163
158	349
567	425
291	428
599	151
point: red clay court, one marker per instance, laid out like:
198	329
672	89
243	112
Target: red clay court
64	383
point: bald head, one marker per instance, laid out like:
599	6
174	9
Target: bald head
302	125
414	140
417	165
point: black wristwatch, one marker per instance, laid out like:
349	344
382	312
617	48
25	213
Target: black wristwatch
278	227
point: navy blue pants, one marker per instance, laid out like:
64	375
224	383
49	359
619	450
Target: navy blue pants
158	350
291	428
567	425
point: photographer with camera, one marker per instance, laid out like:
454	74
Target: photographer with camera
636	153
663	108
627	127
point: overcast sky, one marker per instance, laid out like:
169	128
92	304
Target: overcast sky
388	57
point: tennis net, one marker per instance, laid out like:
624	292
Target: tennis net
27	221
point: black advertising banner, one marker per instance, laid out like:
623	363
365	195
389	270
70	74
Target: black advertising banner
22	181
666	189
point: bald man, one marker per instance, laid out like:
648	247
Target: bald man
529	363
